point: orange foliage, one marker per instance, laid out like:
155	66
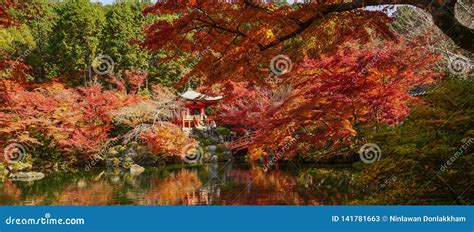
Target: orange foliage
167	139
243	37
348	67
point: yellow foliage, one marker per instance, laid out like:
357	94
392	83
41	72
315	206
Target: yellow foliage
167	139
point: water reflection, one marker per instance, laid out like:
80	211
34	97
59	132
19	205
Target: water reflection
213	184
85	194
177	188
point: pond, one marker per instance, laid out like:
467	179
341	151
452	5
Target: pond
211	184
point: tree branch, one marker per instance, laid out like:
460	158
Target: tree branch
443	17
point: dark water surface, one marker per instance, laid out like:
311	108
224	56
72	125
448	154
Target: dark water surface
211	184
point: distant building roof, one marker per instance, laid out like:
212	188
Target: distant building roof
419	91
190	94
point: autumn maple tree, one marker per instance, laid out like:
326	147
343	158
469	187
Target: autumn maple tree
351	87
243	106
344	65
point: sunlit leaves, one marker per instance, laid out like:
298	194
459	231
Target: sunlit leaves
167	139
245	36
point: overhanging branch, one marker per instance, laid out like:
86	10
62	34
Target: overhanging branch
443	17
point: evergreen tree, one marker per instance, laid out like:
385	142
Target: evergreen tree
122	32
76	38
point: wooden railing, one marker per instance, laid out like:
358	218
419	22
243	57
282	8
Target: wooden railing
241	142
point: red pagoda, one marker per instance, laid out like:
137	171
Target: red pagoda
193	115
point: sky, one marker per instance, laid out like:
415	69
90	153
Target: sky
289	1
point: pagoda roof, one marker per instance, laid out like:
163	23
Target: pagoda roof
192	95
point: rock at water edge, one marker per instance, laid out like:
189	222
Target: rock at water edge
26	176
136	169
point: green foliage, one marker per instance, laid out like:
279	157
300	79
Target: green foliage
15	44
61	39
221	148
119	156
47	154
223	131
3	173
75	42
167	72
416	153
122	32
40	17
15	39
